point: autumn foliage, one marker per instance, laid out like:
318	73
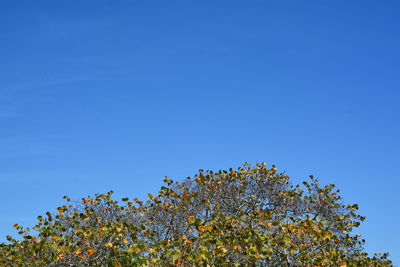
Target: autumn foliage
252	216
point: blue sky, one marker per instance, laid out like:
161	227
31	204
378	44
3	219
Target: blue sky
101	95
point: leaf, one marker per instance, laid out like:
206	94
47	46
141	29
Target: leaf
223	249
91	251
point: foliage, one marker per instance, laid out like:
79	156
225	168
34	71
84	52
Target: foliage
252	216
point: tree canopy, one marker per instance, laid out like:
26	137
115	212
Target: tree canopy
251	216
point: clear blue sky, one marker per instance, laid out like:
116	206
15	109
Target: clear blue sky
101	95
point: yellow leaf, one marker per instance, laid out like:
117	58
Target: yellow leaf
91	251
223	249
109	245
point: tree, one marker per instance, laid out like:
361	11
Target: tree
252	216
